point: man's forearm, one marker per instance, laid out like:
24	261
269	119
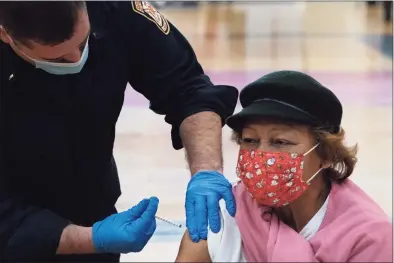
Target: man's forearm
201	136
76	240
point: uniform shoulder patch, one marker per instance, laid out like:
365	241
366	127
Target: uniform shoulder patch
148	11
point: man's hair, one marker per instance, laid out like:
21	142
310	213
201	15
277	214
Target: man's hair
46	22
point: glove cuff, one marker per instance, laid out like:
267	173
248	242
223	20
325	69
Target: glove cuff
98	243
204	173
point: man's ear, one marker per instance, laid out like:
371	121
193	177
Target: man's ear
4	36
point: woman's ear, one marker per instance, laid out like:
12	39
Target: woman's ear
326	165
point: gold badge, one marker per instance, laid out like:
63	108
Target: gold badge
148	11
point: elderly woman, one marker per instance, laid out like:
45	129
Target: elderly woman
295	202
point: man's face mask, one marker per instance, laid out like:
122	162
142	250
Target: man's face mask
61	68
273	178
64	68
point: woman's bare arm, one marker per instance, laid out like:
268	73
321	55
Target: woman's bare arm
193	252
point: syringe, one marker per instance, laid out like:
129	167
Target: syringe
169	222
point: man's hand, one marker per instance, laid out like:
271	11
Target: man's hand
204	191
128	231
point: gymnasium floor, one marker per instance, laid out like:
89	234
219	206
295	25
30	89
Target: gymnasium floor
344	45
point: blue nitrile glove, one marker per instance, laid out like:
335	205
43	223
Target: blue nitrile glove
128	231
204	191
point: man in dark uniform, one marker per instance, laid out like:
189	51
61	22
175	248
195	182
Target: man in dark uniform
64	67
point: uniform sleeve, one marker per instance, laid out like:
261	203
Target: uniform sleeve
28	233
164	68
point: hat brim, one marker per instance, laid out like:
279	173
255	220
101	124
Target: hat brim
267	109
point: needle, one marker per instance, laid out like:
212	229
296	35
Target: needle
168	221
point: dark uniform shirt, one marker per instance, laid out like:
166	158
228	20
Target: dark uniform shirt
57	132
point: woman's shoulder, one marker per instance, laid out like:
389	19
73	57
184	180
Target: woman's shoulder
355	211
348	197
365	226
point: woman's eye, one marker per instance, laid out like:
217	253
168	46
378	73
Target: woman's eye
280	142
250	141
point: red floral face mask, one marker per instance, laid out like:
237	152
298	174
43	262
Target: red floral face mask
273	178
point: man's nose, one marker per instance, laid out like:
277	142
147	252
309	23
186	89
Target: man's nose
74	56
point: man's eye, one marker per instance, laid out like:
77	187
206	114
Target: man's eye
59	60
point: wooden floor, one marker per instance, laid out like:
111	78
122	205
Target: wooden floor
344	45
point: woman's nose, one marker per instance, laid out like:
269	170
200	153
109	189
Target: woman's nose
264	146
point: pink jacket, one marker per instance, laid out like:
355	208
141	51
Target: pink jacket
354	229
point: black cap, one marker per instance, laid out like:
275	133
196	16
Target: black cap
292	96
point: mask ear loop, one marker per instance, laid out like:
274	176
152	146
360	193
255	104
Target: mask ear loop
314	147
318	171
313	176
17	47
